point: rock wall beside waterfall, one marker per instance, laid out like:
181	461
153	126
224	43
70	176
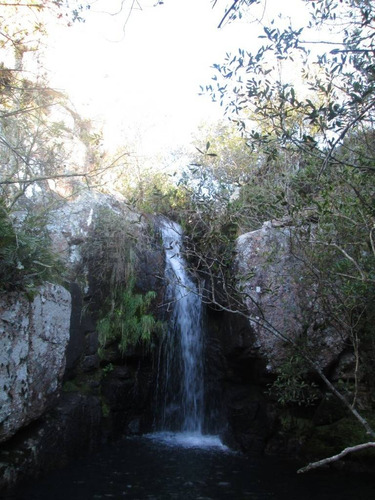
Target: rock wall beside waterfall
34	334
244	358
85	232
70	223
56	391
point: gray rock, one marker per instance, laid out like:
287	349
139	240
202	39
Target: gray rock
33	339
71	222
271	280
90	363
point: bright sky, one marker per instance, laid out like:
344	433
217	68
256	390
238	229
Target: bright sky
143	82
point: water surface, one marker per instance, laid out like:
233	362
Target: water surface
176	466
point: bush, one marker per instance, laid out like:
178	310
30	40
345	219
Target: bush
26	258
128	321
124	314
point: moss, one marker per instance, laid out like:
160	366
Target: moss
300	428
70	386
90	384
329	439
106	410
81	385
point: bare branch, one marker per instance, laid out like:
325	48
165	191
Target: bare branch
41	178
335	458
33	5
25	110
372	239
355	264
15	152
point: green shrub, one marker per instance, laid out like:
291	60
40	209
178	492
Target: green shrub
128	322
111	258
291	386
26	258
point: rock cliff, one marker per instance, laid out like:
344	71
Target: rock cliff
34	334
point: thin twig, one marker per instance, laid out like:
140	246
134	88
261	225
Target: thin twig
343	134
355	264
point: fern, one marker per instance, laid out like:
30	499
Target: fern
128	322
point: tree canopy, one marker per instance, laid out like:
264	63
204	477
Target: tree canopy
310	93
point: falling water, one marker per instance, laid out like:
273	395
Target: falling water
182	355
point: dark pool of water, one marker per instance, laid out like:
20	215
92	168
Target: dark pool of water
149	468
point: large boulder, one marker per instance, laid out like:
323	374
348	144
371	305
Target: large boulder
34	334
280	304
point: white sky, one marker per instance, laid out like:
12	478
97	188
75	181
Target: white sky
144	83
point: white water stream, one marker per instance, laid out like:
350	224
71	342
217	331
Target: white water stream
182	358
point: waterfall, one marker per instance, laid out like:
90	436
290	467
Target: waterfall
181	357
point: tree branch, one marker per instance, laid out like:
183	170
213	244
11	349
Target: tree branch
372	239
343	134
41	178
335	458
35	5
25	110
355	264
232	7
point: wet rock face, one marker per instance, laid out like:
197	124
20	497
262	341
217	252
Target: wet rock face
33	339
270	277
70	429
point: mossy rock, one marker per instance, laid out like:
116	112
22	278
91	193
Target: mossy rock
76	386
84	383
296	426
329	411
327	440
